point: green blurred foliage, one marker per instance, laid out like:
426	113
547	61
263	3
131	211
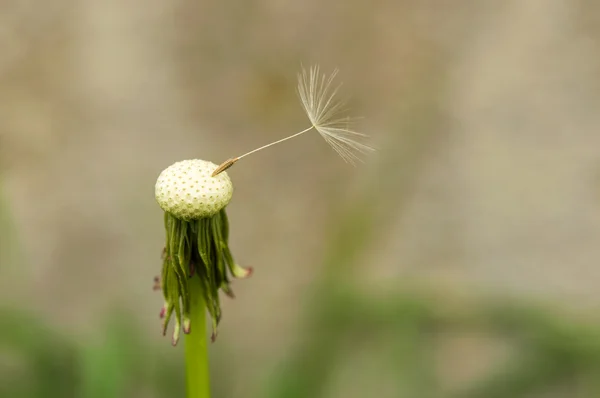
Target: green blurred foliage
552	353
38	362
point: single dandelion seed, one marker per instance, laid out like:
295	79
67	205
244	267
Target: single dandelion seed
324	110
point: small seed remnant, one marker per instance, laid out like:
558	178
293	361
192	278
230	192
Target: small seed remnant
224	166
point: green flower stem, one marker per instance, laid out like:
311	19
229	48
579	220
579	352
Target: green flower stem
196	345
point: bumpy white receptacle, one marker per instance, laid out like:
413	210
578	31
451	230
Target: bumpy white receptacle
187	190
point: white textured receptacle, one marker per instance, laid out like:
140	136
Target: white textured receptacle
187	191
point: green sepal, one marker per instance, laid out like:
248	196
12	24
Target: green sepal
173	249
198	245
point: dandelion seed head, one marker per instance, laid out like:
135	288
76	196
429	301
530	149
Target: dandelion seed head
187	189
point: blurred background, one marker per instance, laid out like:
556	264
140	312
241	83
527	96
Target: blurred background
461	260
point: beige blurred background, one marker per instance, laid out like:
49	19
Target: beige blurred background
487	178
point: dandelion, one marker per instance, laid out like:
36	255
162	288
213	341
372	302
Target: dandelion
197	261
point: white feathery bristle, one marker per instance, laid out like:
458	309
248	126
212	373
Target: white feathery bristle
323	110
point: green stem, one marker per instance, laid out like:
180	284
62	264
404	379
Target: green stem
196	346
